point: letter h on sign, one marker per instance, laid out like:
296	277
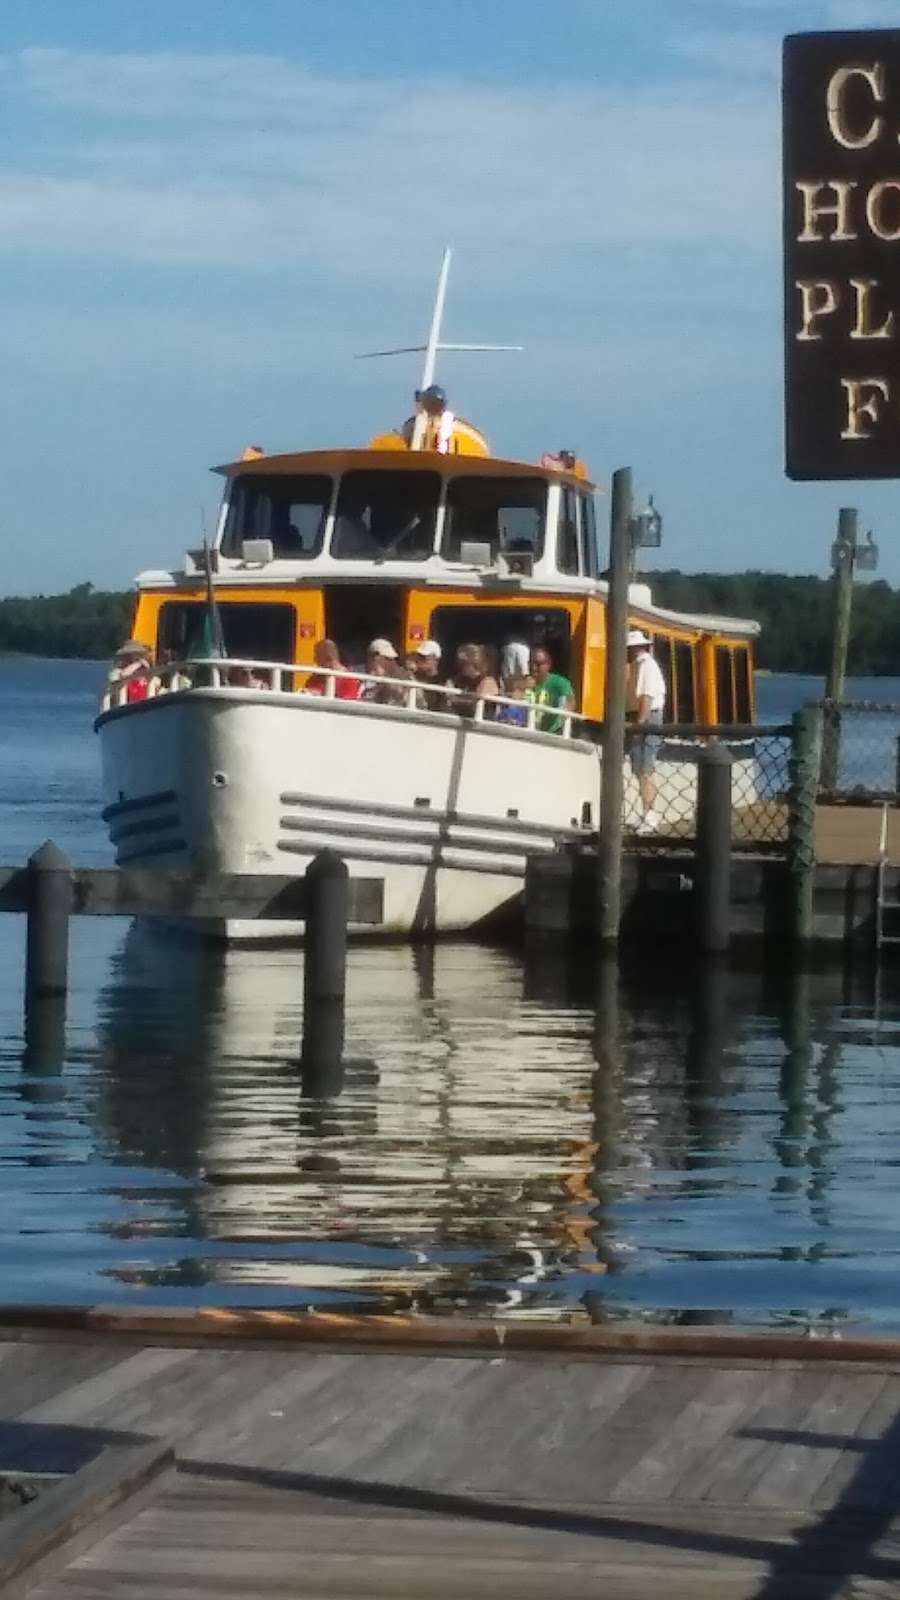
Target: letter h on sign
842	254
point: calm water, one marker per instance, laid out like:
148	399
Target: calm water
664	1144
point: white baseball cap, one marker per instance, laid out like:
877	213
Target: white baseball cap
383	647
428	647
635	638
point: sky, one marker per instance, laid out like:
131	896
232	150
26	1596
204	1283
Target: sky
208	209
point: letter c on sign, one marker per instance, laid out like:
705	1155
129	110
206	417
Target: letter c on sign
837	111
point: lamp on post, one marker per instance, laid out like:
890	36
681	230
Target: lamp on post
645	529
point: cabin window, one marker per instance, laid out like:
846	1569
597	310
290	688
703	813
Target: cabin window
592	563
567	533
724	686
685	706
291	511
743	696
662	654
385	516
495	626
505	513
252	632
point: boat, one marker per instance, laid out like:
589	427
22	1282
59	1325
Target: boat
243	753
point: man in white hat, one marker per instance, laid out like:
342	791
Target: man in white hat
645	700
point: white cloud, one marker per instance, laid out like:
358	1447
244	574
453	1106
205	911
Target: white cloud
253	163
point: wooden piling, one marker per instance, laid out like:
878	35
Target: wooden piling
325	963
50	899
712	873
612	791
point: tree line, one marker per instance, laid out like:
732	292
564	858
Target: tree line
795	613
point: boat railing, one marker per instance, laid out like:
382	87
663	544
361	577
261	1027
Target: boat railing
409	694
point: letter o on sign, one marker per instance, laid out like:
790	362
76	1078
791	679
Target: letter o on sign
883	209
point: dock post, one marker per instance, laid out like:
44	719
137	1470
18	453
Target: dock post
50	899
806	755
844	568
612	777
712	874
325	962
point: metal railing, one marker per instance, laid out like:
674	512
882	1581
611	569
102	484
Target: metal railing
403	694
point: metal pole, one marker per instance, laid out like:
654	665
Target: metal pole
806	752
49	908
712	872
842	606
612	778
325	962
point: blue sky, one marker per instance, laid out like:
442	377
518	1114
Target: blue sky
206	208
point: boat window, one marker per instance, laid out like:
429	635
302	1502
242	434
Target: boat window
505	513
592	563
567	533
254	632
743	696
724	686
291	511
386	516
495	626
684	709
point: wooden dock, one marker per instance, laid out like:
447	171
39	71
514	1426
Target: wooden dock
448	1464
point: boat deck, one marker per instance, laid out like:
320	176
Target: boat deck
305	1471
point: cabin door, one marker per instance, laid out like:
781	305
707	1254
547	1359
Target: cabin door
357	613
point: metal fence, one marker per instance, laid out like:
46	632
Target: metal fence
860	751
661	776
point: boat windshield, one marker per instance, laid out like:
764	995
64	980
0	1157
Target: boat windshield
506	513
291	511
384	516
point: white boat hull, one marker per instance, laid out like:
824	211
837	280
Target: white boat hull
444	809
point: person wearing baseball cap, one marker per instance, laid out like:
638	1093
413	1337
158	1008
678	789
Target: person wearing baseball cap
645	701
424	663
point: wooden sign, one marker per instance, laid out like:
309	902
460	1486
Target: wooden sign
842	254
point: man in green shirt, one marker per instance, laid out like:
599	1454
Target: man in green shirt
550	689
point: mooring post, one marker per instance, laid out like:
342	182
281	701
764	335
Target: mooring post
50	898
612	778
325	962
844	570
712	869
803	786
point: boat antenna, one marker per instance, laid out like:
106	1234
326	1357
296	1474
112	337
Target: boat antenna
431	348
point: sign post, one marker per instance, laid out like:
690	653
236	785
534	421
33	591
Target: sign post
841	96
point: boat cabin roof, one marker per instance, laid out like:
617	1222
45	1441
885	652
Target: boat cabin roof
332	462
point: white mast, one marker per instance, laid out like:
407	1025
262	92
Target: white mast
431	349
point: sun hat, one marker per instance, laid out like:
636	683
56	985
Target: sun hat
635	638
132	647
428	647
383	647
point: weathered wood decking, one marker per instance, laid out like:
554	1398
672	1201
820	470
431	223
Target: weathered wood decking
313	1472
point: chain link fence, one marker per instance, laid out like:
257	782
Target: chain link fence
661	784
860	752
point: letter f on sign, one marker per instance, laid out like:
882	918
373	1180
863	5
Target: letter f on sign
863	406
817	299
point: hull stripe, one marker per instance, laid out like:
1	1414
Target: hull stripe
143	802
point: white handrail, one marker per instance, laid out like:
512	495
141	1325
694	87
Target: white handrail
413	693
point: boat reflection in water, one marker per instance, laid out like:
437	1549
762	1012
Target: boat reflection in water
526	1138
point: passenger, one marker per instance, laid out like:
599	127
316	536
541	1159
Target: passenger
424	663
516	689
645	699
327	654
472	678
549	689
515	658
133	666
382	661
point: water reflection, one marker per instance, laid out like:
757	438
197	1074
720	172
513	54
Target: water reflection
526	1133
